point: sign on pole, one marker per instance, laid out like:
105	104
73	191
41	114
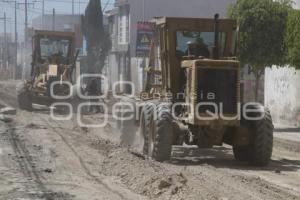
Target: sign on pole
145	34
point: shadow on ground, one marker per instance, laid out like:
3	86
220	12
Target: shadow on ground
221	157
289	130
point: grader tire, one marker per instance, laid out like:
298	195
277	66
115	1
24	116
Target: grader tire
241	153
161	134
146	115
24	97
260	152
127	125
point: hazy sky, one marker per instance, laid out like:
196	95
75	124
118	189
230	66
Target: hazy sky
61	7
35	9
297	3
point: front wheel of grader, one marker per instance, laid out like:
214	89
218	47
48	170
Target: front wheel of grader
160	134
259	151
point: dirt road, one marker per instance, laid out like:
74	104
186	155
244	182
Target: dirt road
41	158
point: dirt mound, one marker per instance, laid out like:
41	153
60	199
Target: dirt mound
144	177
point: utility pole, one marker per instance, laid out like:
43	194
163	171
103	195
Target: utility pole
26	18
144	10
53	20
15	59
26	23
43	14
16	43
72	7
26	3
5	47
5	41
25	55
5	34
79	7
16	27
5	50
144	60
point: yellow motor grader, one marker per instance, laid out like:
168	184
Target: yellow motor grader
192	93
53	60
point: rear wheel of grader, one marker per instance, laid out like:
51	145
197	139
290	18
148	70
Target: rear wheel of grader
262	143
127	123
160	137
24	97
241	153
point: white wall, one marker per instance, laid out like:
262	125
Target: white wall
297	4
282	94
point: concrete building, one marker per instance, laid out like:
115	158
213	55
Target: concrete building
123	63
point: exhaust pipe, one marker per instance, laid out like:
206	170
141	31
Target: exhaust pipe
216	48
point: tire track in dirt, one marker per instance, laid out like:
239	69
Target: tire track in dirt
292	146
21	151
264	188
26	165
82	164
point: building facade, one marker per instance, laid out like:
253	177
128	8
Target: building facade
123	63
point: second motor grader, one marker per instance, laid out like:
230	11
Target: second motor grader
53	60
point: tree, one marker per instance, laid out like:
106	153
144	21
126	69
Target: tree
293	38
98	40
262	26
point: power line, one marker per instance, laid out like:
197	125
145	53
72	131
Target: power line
18	8
71	2
10	21
39	11
32	10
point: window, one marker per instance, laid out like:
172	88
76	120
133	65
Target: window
50	47
203	43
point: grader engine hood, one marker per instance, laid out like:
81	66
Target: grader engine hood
213	91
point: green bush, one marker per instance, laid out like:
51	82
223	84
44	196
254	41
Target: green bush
293	38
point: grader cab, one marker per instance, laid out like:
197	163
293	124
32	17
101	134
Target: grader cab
192	93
